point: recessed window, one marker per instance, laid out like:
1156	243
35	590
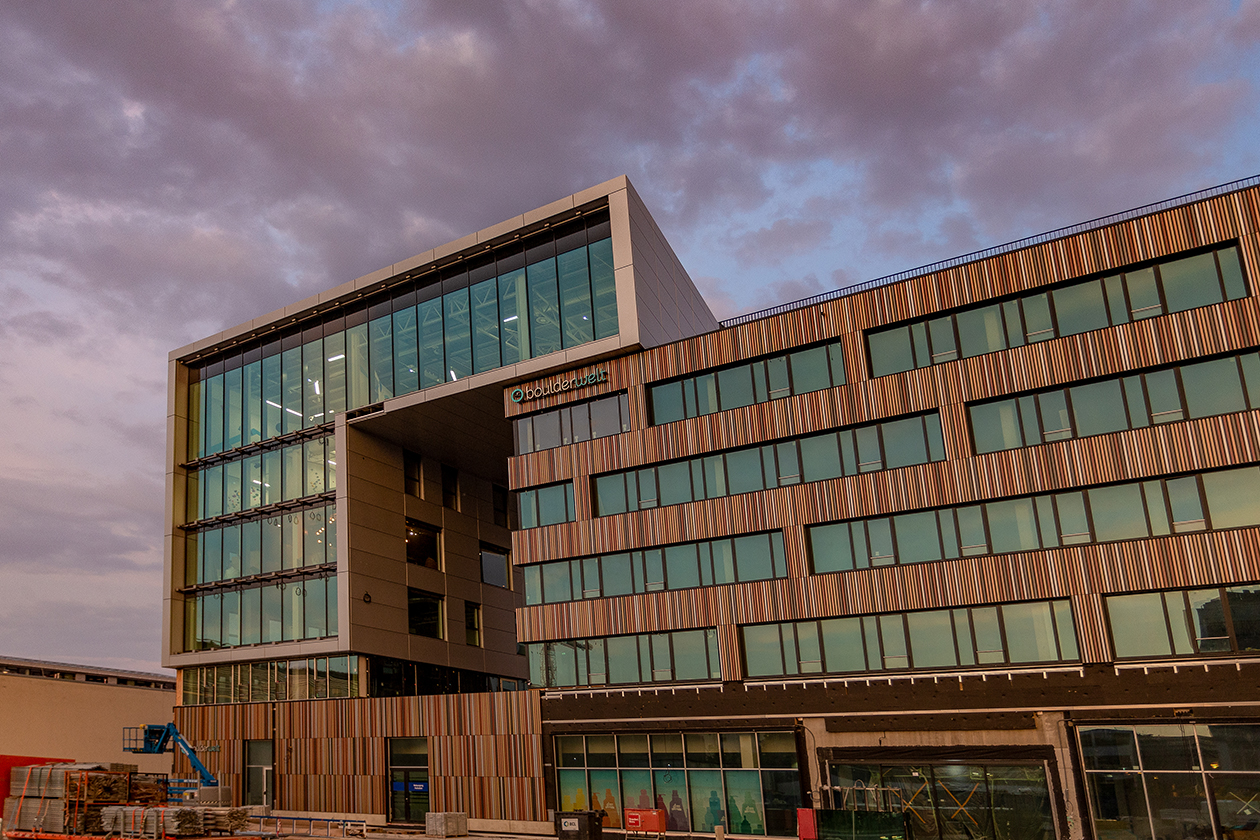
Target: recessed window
494	566
472	624
450	487
423	545
424	613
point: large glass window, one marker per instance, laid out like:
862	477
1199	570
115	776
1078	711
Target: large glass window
679	656
1153	508
1005	634
879	446
421	334
1170	780
745	558
300	606
550	505
1078	306
1193	622
278	475
572	424
1132	401
246	549
749	783
798	372
290	679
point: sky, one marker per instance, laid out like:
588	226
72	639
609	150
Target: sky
169	169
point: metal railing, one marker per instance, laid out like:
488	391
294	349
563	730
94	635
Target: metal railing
1081	227
271	826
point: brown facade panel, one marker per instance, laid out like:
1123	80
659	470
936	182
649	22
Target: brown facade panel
485	755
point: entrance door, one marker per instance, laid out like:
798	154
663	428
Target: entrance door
409	797
259	770
408	779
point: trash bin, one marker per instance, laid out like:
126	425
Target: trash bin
580	825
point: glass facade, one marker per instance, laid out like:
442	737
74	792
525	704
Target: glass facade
315	677
1184	780
281	474
1133	401
1075	307
747	782
798	372
572	424
951	801
878	446
680	656
1193	622
262	546
554	291
1135	510
965	637
732	560
261	612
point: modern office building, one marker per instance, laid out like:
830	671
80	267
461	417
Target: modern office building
516	526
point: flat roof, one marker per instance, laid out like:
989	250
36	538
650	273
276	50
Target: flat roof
8	662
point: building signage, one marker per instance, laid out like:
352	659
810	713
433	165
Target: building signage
557	386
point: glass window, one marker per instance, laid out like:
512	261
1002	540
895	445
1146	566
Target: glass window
424	613
763	651
575	297
821	457
1233	497
1012	526
904	443
809	370
1080	308
1138	625
995	426
1119	512
606	417
544	306
1213	387
932	639
486	349
1099	408
495	566
1190	282
918	538
667	403
890	351
1030	635
735	387
980	331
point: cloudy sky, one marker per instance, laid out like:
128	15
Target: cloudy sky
171	168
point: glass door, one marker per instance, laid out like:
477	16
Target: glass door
408	779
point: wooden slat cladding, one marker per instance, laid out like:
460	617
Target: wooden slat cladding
1189	446
1083	573
485	750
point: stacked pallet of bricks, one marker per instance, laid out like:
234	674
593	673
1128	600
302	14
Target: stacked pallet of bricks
71	798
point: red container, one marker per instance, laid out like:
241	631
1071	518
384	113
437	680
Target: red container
806	824
651	821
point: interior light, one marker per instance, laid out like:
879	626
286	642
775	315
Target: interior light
291	411
454	378
513	318
332	463
316	383
338	357
274	405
